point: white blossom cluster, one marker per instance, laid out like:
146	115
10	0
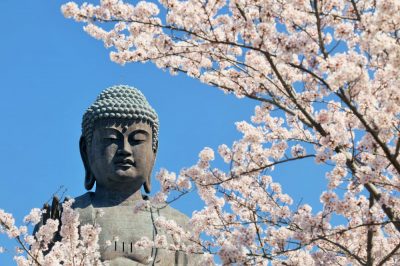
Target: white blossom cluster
78	244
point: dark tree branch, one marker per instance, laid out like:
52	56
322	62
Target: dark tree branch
354	4
370	235
389	256
319	30
260	169
347	251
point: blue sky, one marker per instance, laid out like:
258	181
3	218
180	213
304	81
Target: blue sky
51	71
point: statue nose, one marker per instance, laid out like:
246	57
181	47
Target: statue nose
125	147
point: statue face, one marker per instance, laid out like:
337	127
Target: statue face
121	154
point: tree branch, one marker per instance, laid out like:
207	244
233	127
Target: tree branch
370	235
319	30
260	169
347	251
389	256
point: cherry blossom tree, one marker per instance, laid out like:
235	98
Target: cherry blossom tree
73	246
332	69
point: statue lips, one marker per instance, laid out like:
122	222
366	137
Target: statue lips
125	163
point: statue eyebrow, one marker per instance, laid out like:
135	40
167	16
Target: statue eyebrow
111	129
140	131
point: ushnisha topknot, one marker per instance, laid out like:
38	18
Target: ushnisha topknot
120	102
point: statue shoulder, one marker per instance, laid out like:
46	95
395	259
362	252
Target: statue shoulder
173	214
83	201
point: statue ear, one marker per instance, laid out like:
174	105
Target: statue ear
147	184
89	177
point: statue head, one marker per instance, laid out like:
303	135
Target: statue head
119	139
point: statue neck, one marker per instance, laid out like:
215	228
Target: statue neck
106	197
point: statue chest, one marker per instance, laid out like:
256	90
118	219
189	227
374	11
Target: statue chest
121	228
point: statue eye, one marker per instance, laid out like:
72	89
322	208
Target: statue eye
139	137
111	137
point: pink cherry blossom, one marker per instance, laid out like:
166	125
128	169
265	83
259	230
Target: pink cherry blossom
78	242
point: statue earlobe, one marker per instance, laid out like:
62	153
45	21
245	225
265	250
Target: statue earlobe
89	178
147	184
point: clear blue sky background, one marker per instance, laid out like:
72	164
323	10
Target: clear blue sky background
51	71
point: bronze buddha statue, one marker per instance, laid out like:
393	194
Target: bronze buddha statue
118	148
